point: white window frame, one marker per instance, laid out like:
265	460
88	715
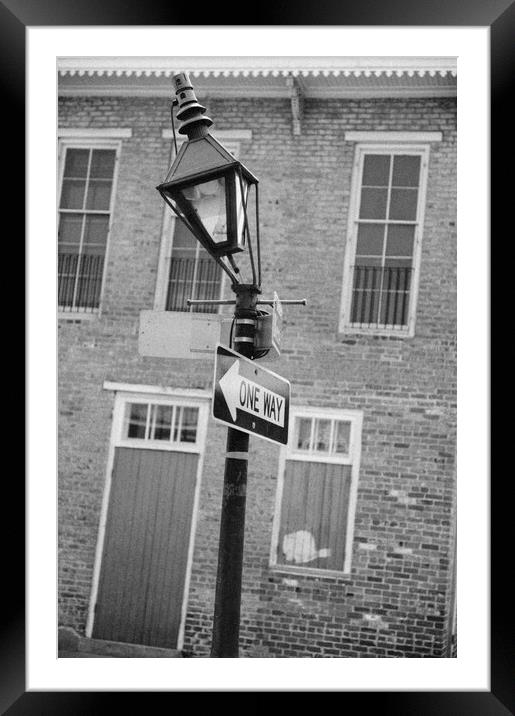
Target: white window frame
231	139
70	138
416	143
171	445
355	417
125	393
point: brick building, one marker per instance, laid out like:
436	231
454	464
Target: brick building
349	547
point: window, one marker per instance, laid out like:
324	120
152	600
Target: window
161	423
193	273
384	236
85	208
316	492
186	270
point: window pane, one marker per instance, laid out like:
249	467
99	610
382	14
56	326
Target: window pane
322	435
76	164
376	170
399	241
189	420
303	439
99	195
70	229
373	204
137	420
162	422
406	170
341	442
403	204
369	262
370	240
183	238
404	263
102	164
72	194
95	234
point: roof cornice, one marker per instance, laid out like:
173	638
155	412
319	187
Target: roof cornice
256	66
317	77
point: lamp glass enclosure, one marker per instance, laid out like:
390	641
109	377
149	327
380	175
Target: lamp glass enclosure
214	209
208	189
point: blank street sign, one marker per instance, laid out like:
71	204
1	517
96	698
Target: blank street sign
174	334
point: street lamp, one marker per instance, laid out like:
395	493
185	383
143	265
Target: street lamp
208	188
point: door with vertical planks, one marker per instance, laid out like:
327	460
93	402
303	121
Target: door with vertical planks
146	542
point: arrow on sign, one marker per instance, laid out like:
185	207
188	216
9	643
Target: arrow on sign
240	392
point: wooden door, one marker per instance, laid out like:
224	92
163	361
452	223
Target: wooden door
145	552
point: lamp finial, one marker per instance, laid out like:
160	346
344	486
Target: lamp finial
190	112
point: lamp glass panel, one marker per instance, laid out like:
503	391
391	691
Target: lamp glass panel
208	201
241	201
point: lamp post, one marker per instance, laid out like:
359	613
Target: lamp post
208	189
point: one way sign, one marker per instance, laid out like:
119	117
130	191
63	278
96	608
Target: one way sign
250	398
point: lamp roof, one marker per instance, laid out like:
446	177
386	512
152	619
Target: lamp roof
200	155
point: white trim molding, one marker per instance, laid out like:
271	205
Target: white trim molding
94	133
196	393
402	137
266	65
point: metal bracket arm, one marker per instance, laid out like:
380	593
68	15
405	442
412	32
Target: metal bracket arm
229	302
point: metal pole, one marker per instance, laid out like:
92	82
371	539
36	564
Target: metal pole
226	623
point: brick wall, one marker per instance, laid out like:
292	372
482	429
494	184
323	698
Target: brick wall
397	601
